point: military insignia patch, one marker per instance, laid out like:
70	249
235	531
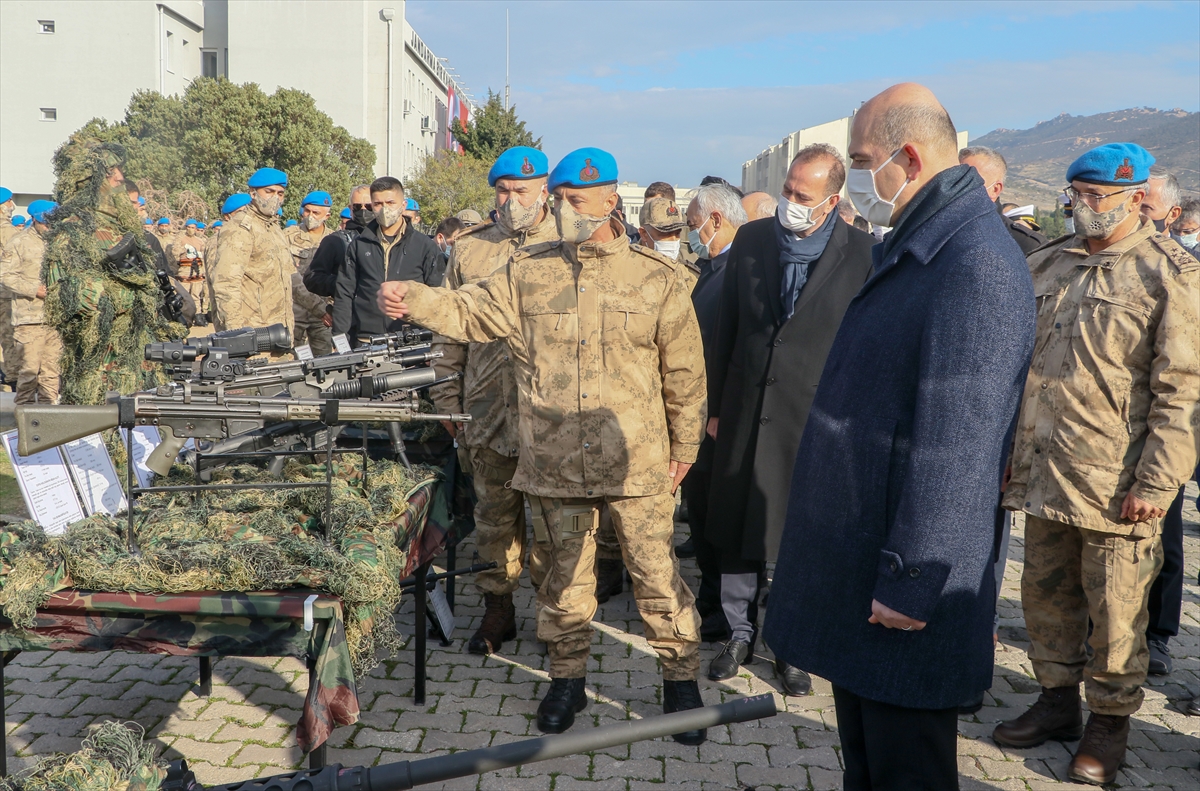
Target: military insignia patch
672	211
1124	171
526	168
589	172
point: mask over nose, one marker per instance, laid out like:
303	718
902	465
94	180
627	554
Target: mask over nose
698	247
512	217
310	222
1092	224
362	216
267	205
669	248
389	216
860	184
797	217
573	227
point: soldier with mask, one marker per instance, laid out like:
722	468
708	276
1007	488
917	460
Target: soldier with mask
1105	438
611	401
488	390
308	309
662	225
250	277
8	351
21	277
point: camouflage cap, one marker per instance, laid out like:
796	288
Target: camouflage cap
469	217
661	214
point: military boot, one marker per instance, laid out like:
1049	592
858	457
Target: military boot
681	696
1102	750
1056	715
610	578
565	698
499	624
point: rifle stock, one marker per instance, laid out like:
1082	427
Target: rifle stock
42	426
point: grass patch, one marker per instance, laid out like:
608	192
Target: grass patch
10	493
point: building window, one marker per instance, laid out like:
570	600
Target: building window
170	52
46	26
208	63
49	114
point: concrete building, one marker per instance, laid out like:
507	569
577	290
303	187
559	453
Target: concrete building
767	171
633	198
64	62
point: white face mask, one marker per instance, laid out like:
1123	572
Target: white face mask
1189	239
668	248
796	217
860	184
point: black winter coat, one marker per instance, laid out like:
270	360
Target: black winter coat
321	276
763	375
413	257
896	483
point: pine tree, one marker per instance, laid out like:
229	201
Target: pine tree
492	129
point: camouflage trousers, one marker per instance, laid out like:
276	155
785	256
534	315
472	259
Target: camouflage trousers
9	359
1073	575
566	600
312	331
500	524
37	377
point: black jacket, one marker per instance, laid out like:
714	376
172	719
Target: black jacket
763	374
414	256
1026	238
706	299
321	276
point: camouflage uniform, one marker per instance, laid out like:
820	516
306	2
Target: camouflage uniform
308	309
250	274
186	257
10	362
1110	408
488	391
611	388
21	276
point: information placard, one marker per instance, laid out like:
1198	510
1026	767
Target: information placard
340	343
145	440
95	475
45	486
304	352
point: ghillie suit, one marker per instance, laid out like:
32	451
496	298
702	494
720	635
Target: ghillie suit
114	757
106	312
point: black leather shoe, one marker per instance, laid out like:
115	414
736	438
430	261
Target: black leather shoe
1160	658
1192	707
714	628
681	696
686	550
795	681
565	698
725	664
610	579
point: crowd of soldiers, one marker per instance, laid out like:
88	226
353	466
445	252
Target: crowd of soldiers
584	370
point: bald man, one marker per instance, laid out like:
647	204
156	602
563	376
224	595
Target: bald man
759	205
884	583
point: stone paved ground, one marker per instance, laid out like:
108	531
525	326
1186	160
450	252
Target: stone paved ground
245	728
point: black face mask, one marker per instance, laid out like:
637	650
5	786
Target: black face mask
363	216
1160	225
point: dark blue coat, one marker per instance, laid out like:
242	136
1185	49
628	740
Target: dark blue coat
896	482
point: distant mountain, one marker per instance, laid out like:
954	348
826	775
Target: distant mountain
1038	157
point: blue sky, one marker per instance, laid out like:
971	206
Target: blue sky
678	90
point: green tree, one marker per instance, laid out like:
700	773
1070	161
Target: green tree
491	129
446	183
1052	222
208	141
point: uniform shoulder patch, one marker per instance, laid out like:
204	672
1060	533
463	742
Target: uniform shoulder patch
1053	243
651	253
1181	258
245	221
474	230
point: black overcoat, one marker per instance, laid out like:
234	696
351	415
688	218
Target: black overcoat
763	375
896	483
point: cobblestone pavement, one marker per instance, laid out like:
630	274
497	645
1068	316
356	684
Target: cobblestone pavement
245	729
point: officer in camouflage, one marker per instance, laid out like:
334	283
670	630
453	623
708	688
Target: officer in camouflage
250	272
309	310
21	278
661	227
612	408
9	362
488	390
1105	437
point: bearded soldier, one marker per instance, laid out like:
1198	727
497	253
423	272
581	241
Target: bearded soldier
612	404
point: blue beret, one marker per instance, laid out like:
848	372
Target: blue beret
267	177
584	167
40	208
1112	164
5	194
200	226
141	201
218	224
411	205
190	222
317	198
147	221
164	220
234	202
289	223
345	213
18	220
520	162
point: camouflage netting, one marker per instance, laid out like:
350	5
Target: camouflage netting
242	540
114	757
105	317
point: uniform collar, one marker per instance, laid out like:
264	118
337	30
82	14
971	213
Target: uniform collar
1108	257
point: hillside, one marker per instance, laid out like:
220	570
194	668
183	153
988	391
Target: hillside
1038	157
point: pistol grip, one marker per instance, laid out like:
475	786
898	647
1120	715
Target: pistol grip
161	458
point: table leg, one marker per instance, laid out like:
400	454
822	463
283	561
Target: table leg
421	628
205	687
451	582
5	658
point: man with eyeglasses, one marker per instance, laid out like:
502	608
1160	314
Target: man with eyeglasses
1104	439
321	277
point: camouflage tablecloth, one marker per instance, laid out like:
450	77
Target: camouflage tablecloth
260	623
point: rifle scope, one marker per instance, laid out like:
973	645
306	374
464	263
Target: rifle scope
246	342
